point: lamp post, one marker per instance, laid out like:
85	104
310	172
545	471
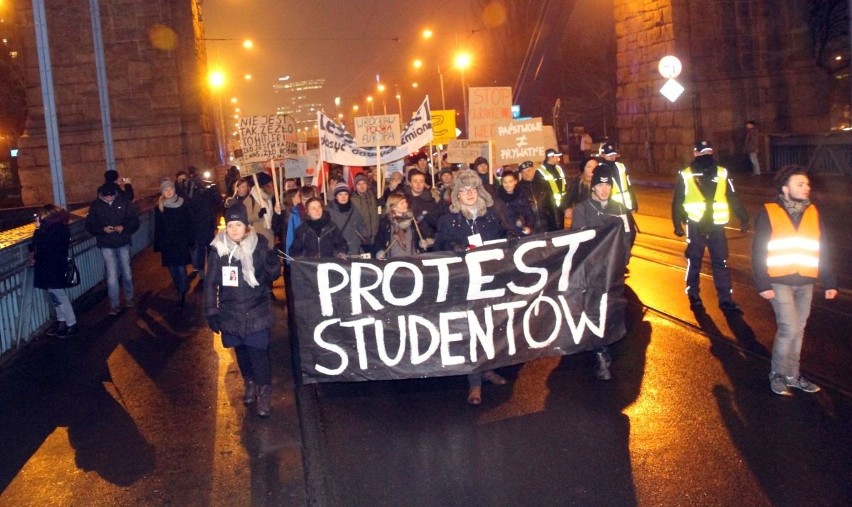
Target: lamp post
370	102
381	89
399	100
418	64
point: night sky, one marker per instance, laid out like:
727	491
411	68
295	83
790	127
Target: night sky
345	42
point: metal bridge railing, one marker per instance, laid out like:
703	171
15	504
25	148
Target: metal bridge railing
26	311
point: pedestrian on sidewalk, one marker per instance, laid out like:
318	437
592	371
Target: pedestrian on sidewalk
49	257
173	236
237	303
703	199
112	220
789	254
752	145
600	210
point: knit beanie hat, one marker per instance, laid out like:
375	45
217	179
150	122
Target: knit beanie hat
108	189
237	213
358	178
601	174
340	187
166	183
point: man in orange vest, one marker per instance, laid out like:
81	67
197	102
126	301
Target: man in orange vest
789	254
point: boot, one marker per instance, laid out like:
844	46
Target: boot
70	331
251	392
601	367
264	398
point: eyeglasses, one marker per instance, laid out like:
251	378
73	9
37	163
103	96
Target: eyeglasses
467	190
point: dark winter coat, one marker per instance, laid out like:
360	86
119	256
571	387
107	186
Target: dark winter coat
204	202
425	208
173	235
318	238
454	229
242	310
367	205
102	214
350	224
590	213
542	203
518	212
50	245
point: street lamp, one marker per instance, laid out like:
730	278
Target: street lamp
399	100
418	64
381	89
370	102
462	62
216	79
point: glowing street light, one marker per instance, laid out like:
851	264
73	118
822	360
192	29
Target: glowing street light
462	62
248	44
216	79
417	63
427	33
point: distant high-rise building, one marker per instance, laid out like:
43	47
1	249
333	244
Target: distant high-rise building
301	100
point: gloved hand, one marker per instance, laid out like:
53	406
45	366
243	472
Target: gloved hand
459	248
744	226
261	213
213	323
678	230
511	238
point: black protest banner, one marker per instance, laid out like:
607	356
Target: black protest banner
446	314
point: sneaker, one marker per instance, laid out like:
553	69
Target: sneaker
113	312
778	385
494	378
802	383
601	368
60	330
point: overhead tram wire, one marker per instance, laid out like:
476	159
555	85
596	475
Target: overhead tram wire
535	37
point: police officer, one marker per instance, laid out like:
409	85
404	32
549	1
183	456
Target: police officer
703	199
554	176
622	191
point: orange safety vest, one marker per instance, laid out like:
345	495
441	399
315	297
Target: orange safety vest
791	250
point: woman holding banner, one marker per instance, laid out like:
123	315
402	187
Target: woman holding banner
399	234
318	237
470	223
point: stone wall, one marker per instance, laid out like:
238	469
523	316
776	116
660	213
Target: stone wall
743	60
160	106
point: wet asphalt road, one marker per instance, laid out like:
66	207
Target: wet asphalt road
145	410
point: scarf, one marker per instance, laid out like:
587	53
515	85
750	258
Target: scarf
795	207
241	251
175	202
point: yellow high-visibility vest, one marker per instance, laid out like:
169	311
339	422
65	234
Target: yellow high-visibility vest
551	180
792	250
693	200
619	190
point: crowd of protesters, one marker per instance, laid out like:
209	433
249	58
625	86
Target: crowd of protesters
419	209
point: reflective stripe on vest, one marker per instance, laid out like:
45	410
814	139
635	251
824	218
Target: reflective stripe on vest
791	250
552	181
619	190
694	203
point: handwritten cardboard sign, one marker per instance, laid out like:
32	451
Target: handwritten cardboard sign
517	141
380	130
267	137
463	151
487	106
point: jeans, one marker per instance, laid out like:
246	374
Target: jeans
199	255
755	164
62	305
254	364
792	305
116	259
180	278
